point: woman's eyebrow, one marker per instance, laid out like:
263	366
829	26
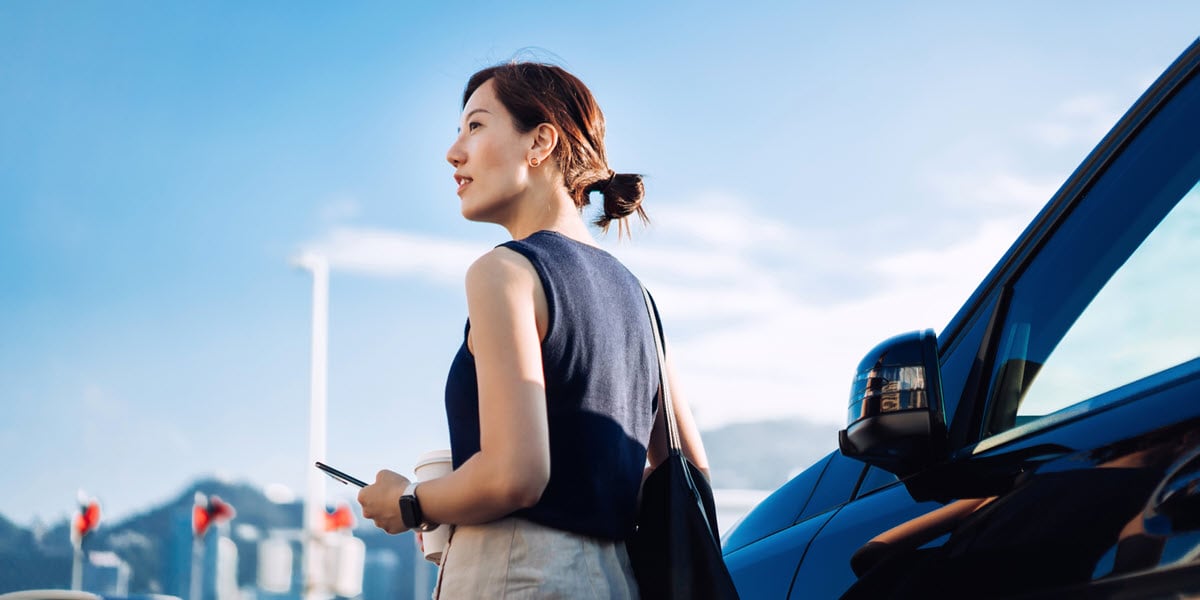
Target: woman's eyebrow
473	111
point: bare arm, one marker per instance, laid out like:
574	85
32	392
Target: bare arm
512	468
689	435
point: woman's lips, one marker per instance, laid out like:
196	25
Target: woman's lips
462	182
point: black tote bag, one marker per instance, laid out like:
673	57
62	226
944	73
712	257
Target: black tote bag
676	548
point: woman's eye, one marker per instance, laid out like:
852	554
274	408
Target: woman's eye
473	125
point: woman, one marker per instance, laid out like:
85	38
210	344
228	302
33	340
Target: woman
550	399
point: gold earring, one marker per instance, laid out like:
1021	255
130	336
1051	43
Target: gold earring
533	162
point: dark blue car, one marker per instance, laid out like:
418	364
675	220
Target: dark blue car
1046	443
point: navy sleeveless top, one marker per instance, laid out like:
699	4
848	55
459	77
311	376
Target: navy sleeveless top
601	371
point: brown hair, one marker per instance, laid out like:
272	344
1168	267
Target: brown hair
537	93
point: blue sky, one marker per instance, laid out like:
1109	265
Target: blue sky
821	176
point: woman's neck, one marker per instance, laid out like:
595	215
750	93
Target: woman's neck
554	211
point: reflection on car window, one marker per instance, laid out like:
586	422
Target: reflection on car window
1106	299
1141	322
875	479
959	360
836	486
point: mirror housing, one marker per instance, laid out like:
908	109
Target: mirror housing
896	419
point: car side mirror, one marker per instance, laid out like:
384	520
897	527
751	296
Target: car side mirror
896	421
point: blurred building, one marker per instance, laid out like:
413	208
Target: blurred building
399	573
339	563
106	574
381	576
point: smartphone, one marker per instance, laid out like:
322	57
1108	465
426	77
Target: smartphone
340	476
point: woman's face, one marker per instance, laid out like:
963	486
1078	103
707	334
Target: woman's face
490	158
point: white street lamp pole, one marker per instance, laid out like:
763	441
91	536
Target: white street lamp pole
314	498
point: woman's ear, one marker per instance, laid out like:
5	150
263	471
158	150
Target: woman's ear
545	140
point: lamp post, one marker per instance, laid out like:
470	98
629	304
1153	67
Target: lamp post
314	497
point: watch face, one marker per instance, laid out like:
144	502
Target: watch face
408	512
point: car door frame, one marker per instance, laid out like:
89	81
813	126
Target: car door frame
988	306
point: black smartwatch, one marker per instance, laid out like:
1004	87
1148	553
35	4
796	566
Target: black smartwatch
410	510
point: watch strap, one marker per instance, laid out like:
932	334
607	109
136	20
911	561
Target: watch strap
411	490
410	510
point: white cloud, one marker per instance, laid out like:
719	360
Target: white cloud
747	343
749	346
1018	179
967	260
688	261
994	186
1080	120
340	209
792	357
385	253
724	220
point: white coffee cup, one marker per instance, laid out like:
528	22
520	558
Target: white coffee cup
431	465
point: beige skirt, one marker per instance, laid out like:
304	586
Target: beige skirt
517	559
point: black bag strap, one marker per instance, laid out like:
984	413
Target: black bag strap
674	445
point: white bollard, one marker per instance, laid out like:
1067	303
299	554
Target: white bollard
275	565
351	555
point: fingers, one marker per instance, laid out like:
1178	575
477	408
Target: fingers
379	501
364	500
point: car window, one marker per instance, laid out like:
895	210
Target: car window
873	480
836	486
961	358
779	510
1141	322
1106	299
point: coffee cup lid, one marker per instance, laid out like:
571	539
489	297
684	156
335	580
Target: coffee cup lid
433	456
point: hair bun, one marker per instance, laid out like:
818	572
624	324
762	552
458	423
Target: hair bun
623	193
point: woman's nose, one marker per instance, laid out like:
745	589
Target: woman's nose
455	155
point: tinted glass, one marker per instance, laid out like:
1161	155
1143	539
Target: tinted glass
1126	204
875	479
779	510
1142	322
958	360
836	486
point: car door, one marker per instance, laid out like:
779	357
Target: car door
1097	350
762	553
1079	350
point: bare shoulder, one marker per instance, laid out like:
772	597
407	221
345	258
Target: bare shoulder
501	269
503	289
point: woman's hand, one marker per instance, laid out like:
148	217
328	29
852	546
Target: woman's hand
381	501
